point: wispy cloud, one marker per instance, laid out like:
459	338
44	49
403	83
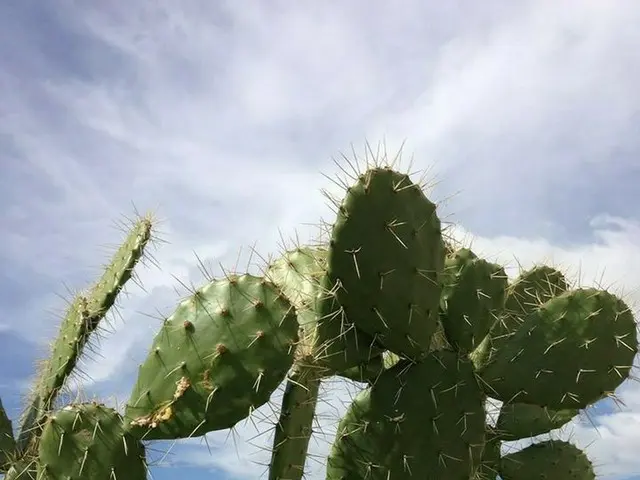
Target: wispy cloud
222	117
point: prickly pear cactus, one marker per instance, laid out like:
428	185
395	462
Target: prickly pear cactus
544	460
432	332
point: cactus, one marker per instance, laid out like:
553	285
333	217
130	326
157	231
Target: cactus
218	357
386	256
417	420
550	459
83	318
7	441
432	331
89	441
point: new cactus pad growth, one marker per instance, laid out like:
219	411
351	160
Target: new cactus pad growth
570	352
473	292
431	332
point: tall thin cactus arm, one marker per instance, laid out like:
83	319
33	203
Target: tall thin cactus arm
82	319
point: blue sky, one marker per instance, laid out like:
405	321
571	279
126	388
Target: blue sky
221	118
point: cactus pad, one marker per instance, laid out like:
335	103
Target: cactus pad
547	460
386	256
89	441
328	341
7	442
520	420
220	355
529	291
473	292
420	420
82	319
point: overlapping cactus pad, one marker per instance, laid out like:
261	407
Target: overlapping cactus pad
422	420
432	332
220	355
568	353
547	460
89	441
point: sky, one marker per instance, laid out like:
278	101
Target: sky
223	119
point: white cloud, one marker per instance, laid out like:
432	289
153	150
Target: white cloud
223	117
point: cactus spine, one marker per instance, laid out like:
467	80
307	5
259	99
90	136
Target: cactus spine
432	330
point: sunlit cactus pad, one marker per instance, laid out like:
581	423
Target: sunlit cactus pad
220	355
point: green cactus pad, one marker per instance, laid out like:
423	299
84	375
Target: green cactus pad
490	459
82	319
366	372
386	256
520	420
220	355
473	293
569	353
422	420
89	441
529	291
7	441
328	342
553	459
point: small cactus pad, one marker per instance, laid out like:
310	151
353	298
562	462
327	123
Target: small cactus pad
7	442
89	441
529	291
220	355
569	353
328	341
386	257
553	459
419	420
520	420
473	292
